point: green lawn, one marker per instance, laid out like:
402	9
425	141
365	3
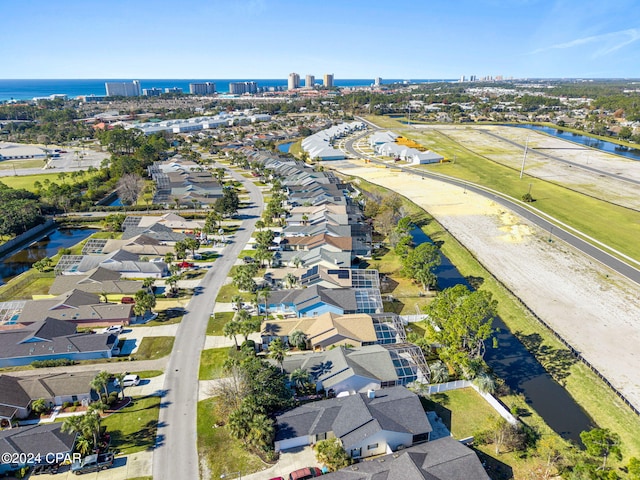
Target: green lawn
148	373
133	429
227	292
152	348
217	321
211	362
27	181
223	453
463	411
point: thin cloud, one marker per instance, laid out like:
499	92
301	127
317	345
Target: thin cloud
611	42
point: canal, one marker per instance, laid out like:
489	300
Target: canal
47	246
609	147
520	370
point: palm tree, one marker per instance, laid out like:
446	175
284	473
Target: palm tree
237	301
439	372
101	382
261	431
299	378
91	427
168	258
290	280
83	445
72	425
264	294
278	352
485	383
120	378
230	330
299	339
148	283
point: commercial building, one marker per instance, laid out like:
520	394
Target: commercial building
294	81
152	92
123	89
310	81
173	90
377	82
206	88
328	80
240	88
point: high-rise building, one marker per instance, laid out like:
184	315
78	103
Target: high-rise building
152	92
206	88
123	89
310	81
377	82
238	88
294	81
173	90
328	80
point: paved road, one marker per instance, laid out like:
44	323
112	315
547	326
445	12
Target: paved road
552	226
176	453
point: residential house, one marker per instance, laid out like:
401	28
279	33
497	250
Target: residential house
324	331
17	393
52	339
97	281
367	424
34	440
441	459
127	264
312	301
346	370
76	307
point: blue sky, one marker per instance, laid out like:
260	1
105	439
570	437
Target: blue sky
414	39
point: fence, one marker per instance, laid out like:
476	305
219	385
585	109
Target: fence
491	400
7	292
573	351
16	242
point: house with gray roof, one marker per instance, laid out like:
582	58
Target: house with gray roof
52	339
367	424
34	440
162	233
17	393
76	307
441	459
312	301
127	264
97	281
350	370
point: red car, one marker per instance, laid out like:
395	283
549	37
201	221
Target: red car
185	265
305	473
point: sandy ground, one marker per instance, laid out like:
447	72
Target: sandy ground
594	309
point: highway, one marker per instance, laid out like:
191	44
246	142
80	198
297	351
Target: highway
557	230
176	452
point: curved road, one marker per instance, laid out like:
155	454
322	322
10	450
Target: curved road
554	229
176	452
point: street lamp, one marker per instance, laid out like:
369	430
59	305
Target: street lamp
225	475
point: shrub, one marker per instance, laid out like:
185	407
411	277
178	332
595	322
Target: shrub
66	404
61	362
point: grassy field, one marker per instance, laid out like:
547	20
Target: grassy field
27	181
211	361
217	321
615	226
133	429
463	411
11	164
223	453
152	348
227	292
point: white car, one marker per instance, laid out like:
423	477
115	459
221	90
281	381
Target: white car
114	329
128	381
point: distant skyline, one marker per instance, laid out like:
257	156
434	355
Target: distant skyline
355	39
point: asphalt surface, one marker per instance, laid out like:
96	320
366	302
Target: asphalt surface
556	232
176	453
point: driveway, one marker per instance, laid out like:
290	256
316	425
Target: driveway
129	466
290	460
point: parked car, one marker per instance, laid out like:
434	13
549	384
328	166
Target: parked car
186	265
128	381
305	473
92	463
128	300
113	329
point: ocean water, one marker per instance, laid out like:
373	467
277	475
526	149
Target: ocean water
29	88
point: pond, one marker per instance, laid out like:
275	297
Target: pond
520	370
47	246
609	147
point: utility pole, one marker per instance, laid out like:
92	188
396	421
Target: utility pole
524	158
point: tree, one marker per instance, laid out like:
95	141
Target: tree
299	339
278	352
290	280
634	468
145	302
120	378
168	258
101	382
601	442
461	321
420	263
299	378
439	372
331	454
231	330
192	244
485	383
129	188
264	295
39	406
261	431
113	222
148	283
